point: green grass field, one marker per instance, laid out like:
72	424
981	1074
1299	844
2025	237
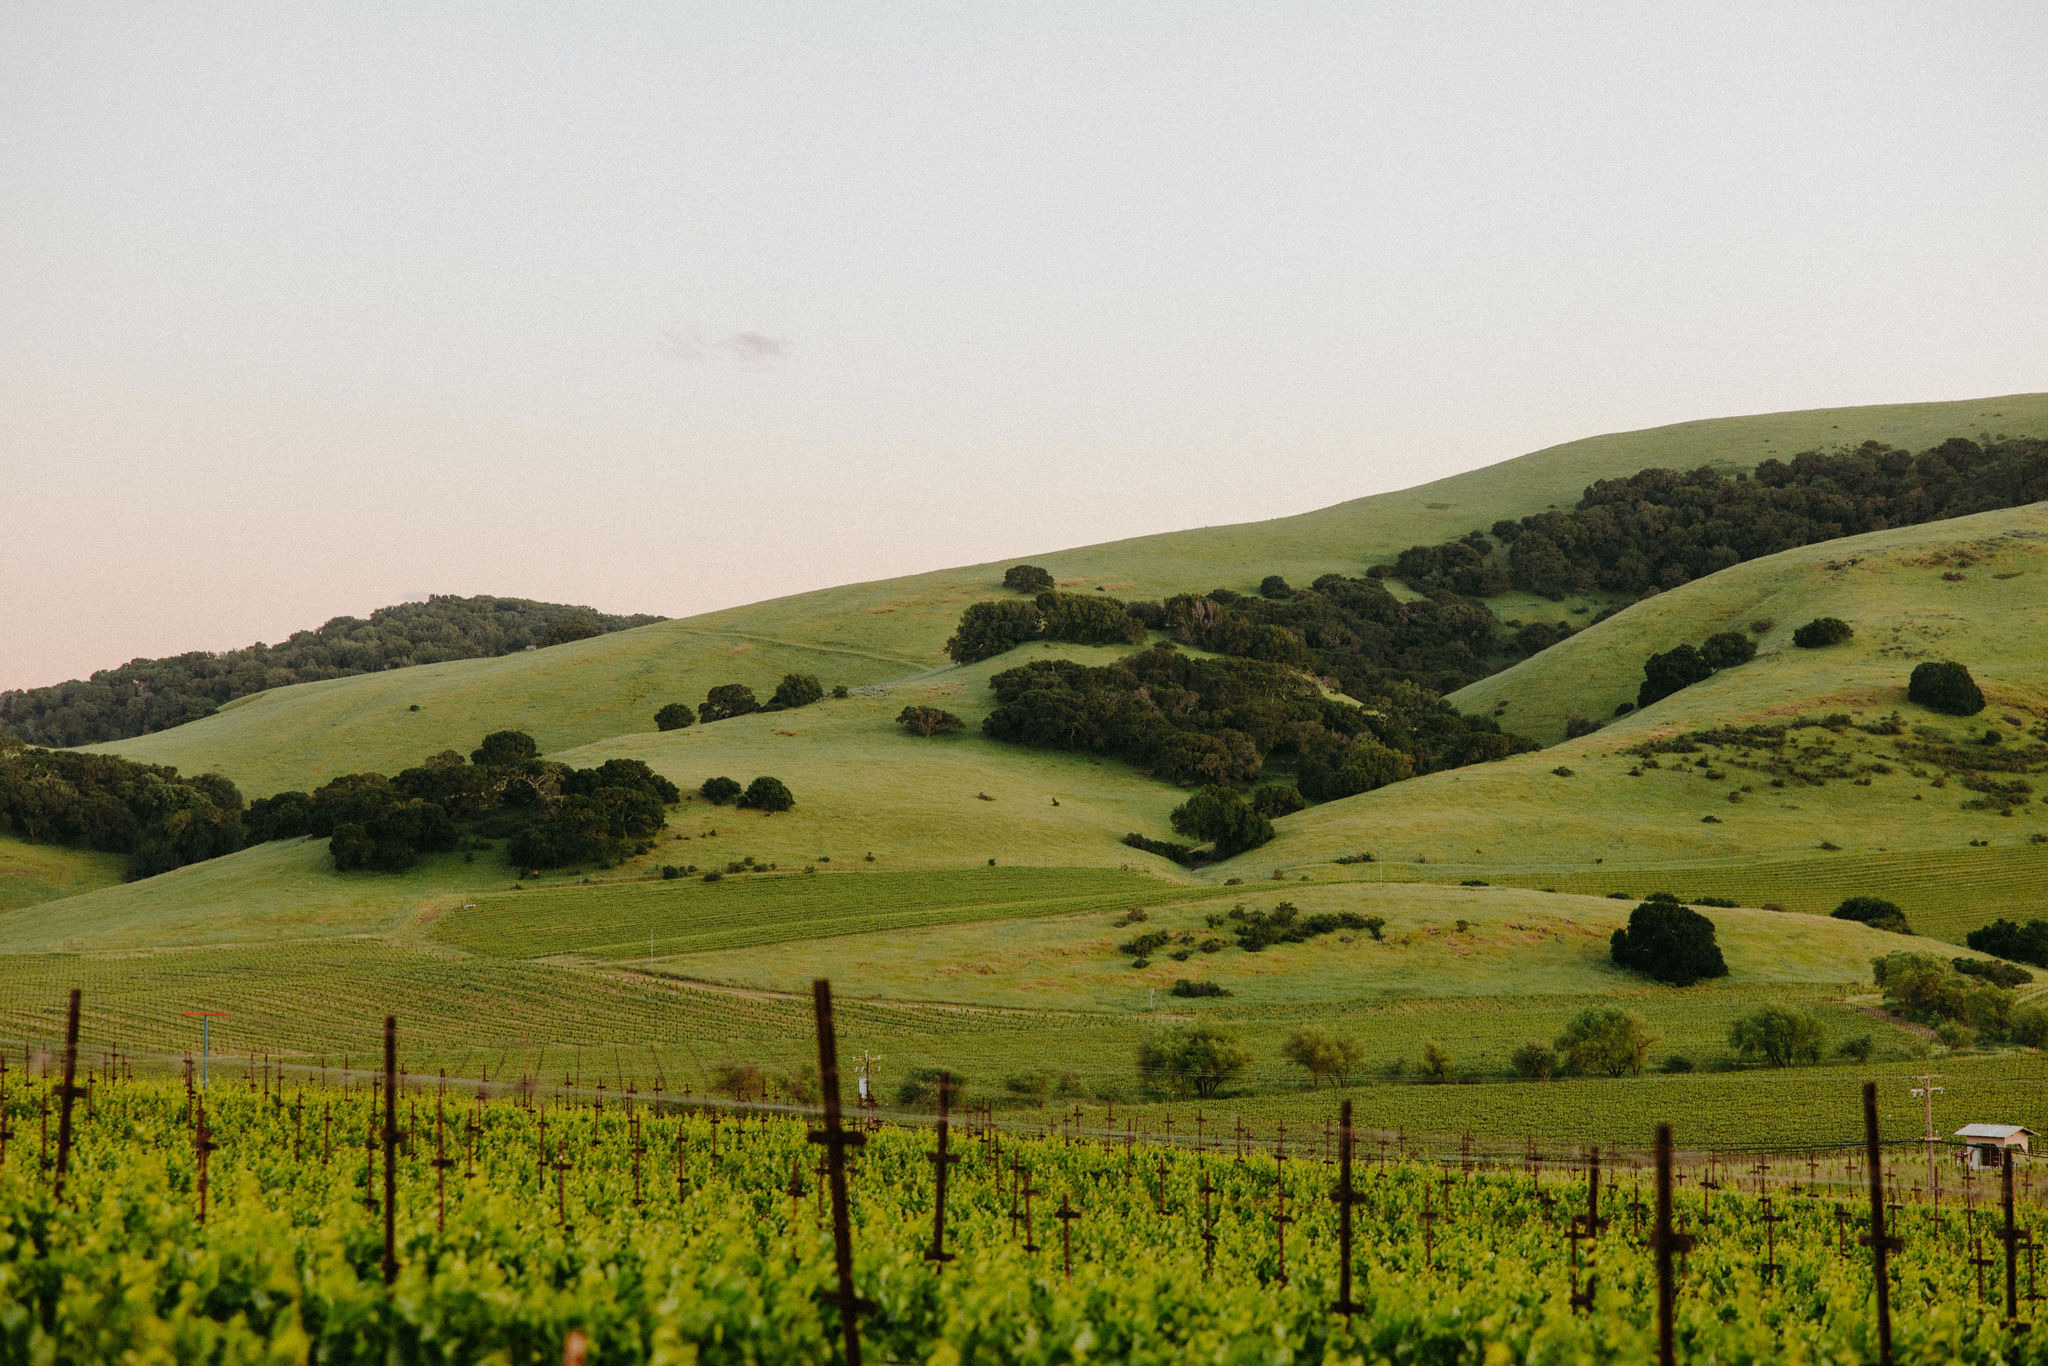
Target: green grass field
1012	970
31	874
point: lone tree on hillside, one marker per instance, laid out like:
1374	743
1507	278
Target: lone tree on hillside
928	721
1223	817
987	629
726	701
796	690
1200	1061
1321	1054
1727	649
1667	673
719	791
1878	914
1027	578
1777	1036
1822	631
1945	687
1670	943
504	748
767	794
1275	588
1604	1039
675	716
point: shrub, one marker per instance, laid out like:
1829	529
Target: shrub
1183	986
987	629
1991	970
1275	800
2019	943
767	794
1183	854
1436	1061
1678	1064
1028	579
675	716
1876	913
1275	589
2029	1027
1776	1035
1822	632
1670	943
1200	1061
1857	1047
504	748
1727	649
796	690
726	701
1604	1039
1576	726
1671	671
1321	1054
1222	817
1534	1061
928	721
719	791
1945	686
1086	620
1952	1034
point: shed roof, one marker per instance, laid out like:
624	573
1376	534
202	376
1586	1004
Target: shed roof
1992	1131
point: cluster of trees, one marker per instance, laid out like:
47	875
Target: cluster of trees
1285	924
146	695
987	629
728	700
1659	528
1351	630
2010	940
158	817
550	814
1217	722
929	721
1681	667
1669	942
1945	686
1930	991
763	794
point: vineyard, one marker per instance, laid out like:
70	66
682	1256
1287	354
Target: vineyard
253	1218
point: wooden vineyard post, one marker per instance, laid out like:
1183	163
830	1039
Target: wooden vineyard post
941	1159
680	1194
1665	1242
1770	1219
1067	1214
442	1162
1346	1197
390	1149
67	1095
1208	1192
1880	1243
795	1192
1586	1228
202	1147
639	1150
2010	1235
1030	1189
1281	1218
836	1141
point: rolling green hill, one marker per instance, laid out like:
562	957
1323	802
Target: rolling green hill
579	693
1012	970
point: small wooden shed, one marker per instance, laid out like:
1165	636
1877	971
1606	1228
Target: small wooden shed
1988	1142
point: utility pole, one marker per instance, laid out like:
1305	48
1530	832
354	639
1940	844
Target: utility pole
1926	1091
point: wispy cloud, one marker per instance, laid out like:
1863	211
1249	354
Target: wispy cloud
741	348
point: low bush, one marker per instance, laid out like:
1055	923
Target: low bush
1945	686
1822	632
675	716
1874	912
1183	986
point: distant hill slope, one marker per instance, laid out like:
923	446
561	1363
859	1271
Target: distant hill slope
587	691
146	695
1974	589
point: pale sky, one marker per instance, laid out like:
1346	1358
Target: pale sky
306	309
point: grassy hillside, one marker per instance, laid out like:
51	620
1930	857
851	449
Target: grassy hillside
576	694
1974	589
34	873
